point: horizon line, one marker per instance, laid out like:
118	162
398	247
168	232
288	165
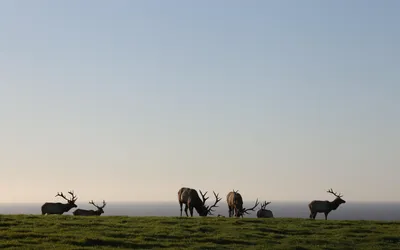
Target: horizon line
173	201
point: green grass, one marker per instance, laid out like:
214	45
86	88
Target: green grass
69	232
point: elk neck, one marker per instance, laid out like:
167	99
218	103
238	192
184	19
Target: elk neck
200	209
68	206
98	212
335	204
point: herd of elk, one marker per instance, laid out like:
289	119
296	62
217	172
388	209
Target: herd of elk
191	199
84	212
318	206
60	208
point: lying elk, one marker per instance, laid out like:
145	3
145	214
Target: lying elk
59	208
84	212
191	199
318	206
235	204
263	212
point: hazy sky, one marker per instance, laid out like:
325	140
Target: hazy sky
131	100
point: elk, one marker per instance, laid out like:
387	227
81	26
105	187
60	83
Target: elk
191	199
318	206
57	207
264	213
84	212
235	204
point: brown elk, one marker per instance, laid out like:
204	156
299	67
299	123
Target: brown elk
57	207
263	212
235	204
191	199
84	212
318	206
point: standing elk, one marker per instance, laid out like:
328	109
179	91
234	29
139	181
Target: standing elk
58	207
84	212
264	213
235	204
191	199
318	206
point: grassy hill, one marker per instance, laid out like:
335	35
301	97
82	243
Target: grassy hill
68	232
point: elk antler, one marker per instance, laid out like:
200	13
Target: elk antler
73	197
244	211
61	195
104	204
91	202
203	196
334	193
264	204
210	208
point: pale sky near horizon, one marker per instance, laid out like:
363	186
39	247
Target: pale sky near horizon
131	100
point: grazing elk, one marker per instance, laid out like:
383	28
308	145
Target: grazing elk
318	206
57	207
191	199
235	204
264	213
84	212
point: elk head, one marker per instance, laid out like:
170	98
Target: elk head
338	199
245	210
71	201
210	208
207	210
99	209
264	205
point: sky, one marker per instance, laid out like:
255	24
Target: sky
132	100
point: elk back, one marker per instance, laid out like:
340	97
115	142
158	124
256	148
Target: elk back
234	200
264	213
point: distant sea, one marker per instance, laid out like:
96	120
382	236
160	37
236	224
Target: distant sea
349	211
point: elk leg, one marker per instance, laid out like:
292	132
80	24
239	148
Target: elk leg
312	215
236	212
230	211
326	215
186	208
180	204
191	211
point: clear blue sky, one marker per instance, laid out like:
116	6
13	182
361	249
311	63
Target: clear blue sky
131	100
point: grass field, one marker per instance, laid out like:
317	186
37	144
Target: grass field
68	232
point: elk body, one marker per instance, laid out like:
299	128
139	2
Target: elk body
58	207
263	212
84	212
318	206
235	204
191	199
